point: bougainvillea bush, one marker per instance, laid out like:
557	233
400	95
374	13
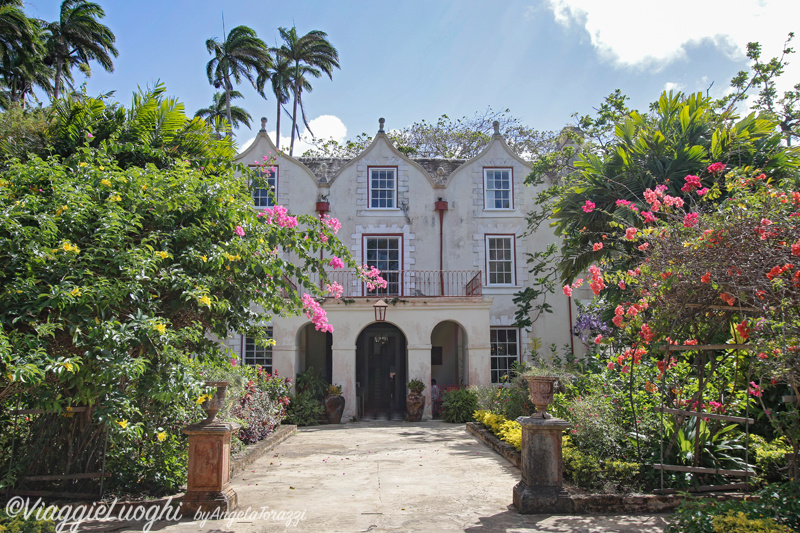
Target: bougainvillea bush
113	278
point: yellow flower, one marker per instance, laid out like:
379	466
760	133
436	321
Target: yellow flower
204	258
101	167
162	255
68	366
115	198
69	408
82	165
202	398
269	342
69	247
105	182
122	423
205	300
75	292
61	209
161	436
160	328
144	187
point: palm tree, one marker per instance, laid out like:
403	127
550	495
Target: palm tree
16	30
309	55
240	55
76	38
218	110
278	75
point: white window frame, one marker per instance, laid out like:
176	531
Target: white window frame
395	287
488	204
370	189
489	261
505	367
272	180
252	353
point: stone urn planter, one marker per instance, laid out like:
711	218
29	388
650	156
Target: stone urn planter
541	390
217	401
415	401
334	404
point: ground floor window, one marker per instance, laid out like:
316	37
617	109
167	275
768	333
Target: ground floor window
504	352
254	354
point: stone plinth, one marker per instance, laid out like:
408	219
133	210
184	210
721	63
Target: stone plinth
541	488
209	486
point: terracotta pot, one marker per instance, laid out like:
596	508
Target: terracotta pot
541	389
212	406
415	405
334	407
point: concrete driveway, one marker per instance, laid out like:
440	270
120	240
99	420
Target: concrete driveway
391	476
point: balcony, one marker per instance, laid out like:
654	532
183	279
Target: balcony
413	284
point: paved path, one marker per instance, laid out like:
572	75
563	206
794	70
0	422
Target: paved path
391	476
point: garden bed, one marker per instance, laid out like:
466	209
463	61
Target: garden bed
585	503
253	452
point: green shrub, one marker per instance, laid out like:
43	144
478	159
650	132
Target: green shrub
771	458
304	410
458	406
581	468
738	522
776	504
18	524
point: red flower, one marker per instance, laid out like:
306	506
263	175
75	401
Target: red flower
716	167
588	207
690	220
597	246
705	278
729	299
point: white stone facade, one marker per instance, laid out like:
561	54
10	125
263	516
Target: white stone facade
431	330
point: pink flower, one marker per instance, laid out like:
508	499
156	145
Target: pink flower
754	390
617	320
332	223
597	246
239	231
630	233
578	282
588	207
316	313
598	339
610	365
690	220
644	246
716	167
621	285
336	263
567	290
619	311
335	289
702	192
692	183
648	216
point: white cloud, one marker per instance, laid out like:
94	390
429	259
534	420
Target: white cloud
671	86
649	34
324	127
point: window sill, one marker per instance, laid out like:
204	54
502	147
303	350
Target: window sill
501	289
500	213
382	212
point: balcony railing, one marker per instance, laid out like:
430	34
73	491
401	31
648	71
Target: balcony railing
413	283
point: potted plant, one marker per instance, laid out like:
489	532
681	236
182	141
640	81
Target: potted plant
334	404
415	401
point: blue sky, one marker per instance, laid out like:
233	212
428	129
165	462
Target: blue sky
413	60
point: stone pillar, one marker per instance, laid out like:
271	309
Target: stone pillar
541	490
209	486
419	367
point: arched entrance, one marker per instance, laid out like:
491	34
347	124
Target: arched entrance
315	351
381	362
448	358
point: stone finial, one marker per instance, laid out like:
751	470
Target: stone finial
381	122
496	126
263	125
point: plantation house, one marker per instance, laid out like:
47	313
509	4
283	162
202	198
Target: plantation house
446	235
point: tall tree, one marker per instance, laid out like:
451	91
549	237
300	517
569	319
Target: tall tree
309	55
15	27
278	74
241	55
218	110
76	38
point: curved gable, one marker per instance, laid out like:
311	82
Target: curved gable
496	139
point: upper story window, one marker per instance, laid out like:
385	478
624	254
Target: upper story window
264	186
497	188
382	188
385	253
500	259
254	354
